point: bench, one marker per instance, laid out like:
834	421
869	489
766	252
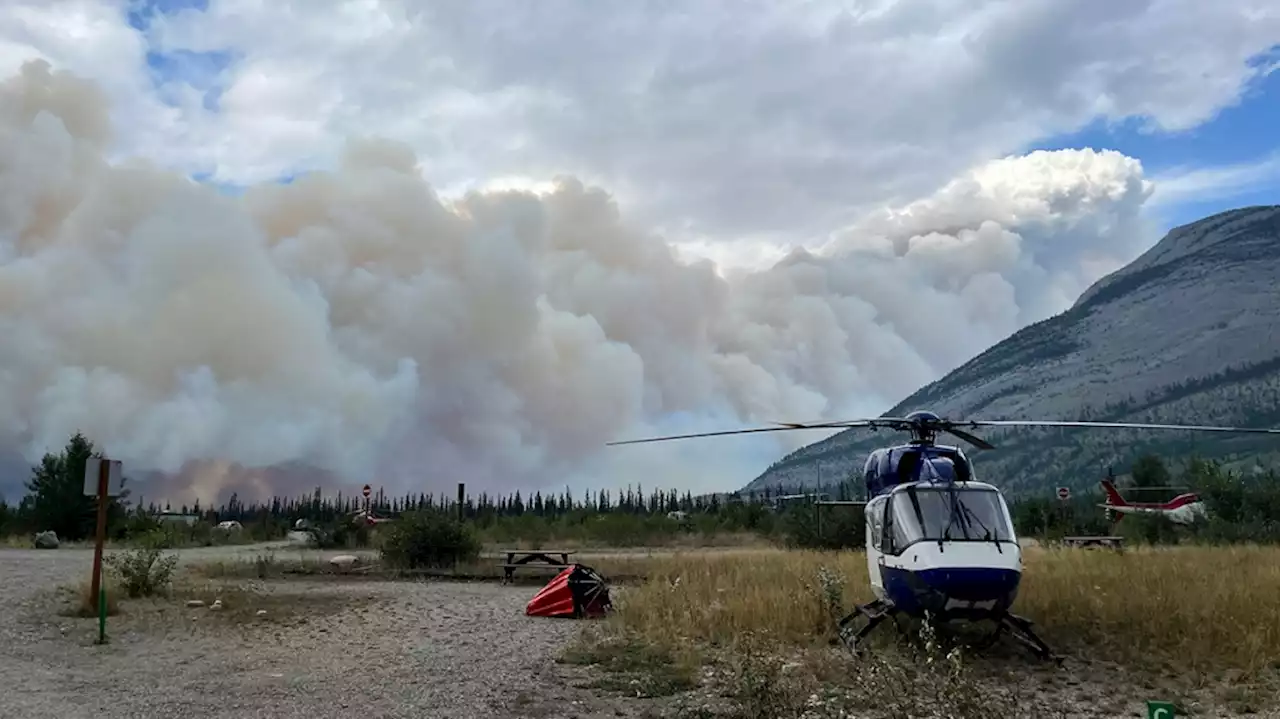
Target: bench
1116	543
556	559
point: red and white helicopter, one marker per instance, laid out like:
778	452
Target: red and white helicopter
1185	508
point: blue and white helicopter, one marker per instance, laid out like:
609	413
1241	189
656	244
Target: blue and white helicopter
940	544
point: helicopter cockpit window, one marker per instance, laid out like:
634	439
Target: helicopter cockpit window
933	514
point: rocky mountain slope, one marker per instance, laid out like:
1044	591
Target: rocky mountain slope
1187	333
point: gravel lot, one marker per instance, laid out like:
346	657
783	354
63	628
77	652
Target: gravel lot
421	649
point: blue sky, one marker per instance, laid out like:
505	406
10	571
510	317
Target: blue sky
1242	135
141	14
201	70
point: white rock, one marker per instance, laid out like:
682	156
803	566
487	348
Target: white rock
47	540
344	561
195	603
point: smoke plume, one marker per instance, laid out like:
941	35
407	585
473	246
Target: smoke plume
357	323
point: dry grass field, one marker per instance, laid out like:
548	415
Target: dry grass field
1196	625
1200	609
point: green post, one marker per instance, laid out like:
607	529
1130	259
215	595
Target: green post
102	615
1160	710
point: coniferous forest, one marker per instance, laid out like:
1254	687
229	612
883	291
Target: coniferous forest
1242	509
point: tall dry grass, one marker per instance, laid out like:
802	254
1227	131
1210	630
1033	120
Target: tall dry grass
1201	609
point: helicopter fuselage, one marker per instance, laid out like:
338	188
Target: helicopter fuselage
937	540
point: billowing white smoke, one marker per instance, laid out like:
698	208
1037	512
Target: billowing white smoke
357	322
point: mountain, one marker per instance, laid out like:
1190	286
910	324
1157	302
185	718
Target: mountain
1188	333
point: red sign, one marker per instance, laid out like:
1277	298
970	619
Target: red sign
367	490
1064	493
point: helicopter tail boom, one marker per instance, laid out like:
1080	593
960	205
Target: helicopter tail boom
1113	495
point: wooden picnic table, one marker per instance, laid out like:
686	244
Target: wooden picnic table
1097	541
517	558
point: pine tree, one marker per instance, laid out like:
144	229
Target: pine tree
55	493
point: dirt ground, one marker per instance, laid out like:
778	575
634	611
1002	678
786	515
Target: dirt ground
332	649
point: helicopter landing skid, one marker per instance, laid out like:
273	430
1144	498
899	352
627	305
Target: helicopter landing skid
1020	628
879	610
875	612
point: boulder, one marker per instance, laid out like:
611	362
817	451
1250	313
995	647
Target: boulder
47	540
344	561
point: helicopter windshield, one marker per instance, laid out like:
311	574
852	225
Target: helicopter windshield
926	513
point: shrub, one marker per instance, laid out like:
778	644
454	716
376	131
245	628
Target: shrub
425	539
342	534
1150	529
839	529
142	572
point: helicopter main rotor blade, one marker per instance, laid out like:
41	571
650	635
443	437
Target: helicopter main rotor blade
973	439
784	428
1114	425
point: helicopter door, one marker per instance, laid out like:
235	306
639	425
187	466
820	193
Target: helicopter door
875	516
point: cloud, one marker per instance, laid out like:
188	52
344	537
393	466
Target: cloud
720	120
356	322
1199	184
834	161
716	119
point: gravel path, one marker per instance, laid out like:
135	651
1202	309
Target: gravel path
422	649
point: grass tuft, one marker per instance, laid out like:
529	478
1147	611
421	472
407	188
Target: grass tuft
633	666
82	603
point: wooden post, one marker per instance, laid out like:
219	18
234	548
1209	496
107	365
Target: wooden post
462	493
100	535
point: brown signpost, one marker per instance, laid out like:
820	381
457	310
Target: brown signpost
101	476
